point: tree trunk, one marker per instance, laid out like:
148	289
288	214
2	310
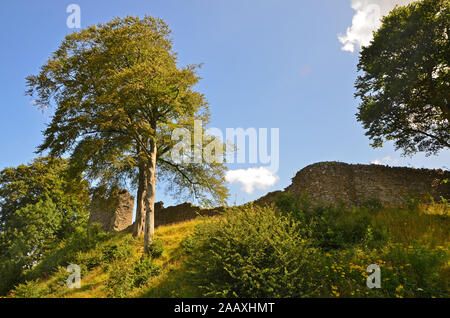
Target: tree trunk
139	222
149	198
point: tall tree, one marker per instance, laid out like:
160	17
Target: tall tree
405	82
119	94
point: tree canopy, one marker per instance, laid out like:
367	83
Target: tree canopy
39	203
119	94
404	81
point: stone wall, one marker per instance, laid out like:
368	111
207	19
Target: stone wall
180	213
323	183
113	211
353	184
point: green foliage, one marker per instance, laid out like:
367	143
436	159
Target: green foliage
44	179
30	230
404	82
233	256
251	253
144	270
74	250
39	205
288	204
30	289
413	204
119	94
373	205
156	248
255	252
418	269
10	273
115	252
333	227
120	280
126	275
406	271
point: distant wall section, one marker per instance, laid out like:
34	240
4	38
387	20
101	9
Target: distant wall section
353	184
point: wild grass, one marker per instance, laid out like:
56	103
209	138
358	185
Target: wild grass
414	257
428	224
97	267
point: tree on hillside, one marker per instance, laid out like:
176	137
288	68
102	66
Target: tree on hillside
39	204
119	94
405	82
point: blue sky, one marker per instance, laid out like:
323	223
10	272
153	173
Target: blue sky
267	64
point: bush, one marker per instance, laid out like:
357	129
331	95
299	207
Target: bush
111	253
126	275
68	252
333	227
143	271
156	248
10	275
416	271
373	205
120	281
30	289
413	204
40	204
287	203
251	253
90	259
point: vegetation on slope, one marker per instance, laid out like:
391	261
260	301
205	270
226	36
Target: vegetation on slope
299	251
289	251
40	205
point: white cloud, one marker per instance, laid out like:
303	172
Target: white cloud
252	178
385	161
367	19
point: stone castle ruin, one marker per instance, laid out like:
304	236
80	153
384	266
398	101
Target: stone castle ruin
179	213
113	210
353	184
323	183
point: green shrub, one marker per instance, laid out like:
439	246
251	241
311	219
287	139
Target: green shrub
156	248
90	259
254	252
120	281
333	227
10	275
144	270
373	205
30	289
126	275
413	204
40	205
113	252
416	271
287	203
68	252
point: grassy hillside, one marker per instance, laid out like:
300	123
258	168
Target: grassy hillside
98	267
243	251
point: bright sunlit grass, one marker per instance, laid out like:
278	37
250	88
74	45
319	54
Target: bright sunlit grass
427	225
